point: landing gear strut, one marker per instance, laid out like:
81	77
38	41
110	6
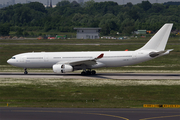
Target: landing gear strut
89	72
25	71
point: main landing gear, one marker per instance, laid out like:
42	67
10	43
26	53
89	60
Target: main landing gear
25	71
89	72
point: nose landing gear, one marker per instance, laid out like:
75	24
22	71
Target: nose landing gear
25	71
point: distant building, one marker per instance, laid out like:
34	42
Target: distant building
140	32
49	4
87	33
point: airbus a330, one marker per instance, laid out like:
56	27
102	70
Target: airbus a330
62	62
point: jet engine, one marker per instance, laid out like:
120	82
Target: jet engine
62	68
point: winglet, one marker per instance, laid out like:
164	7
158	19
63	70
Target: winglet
100	56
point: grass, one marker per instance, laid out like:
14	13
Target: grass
131	40
87	93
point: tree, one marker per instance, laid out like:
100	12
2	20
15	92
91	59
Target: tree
19	32
36	6
146	5
110	16
129	4
156	8
127	26
77	17
105	29
89	3
4	29
95	24
63	3
26	34
75	4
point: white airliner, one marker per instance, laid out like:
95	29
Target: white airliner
62	62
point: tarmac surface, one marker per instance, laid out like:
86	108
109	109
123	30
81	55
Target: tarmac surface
139	76
7	113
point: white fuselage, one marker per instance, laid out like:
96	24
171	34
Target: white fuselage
48	59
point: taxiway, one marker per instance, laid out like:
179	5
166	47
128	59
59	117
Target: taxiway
88	114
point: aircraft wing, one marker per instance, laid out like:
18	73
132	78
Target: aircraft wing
87	62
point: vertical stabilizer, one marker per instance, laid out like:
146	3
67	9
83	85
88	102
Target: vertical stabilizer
159	40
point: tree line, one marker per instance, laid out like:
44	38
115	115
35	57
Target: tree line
109	16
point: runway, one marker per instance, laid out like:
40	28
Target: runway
139	76
88	114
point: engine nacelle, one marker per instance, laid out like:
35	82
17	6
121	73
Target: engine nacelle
62	68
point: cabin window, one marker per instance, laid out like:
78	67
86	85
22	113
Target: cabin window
34	57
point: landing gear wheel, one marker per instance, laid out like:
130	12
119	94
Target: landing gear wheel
25	71
88	72
83	73
93	72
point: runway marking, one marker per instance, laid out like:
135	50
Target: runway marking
72	112
109	115
160	117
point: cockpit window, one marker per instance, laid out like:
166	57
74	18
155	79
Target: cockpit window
13	58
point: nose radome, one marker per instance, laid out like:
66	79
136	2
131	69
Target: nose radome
9	61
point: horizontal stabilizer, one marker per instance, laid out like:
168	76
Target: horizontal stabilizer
160	53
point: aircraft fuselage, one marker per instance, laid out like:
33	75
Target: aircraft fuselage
48	59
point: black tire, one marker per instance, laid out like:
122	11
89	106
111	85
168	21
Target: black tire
93	72
25	72
88	72
83	73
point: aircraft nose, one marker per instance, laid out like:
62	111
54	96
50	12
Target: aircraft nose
9	61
